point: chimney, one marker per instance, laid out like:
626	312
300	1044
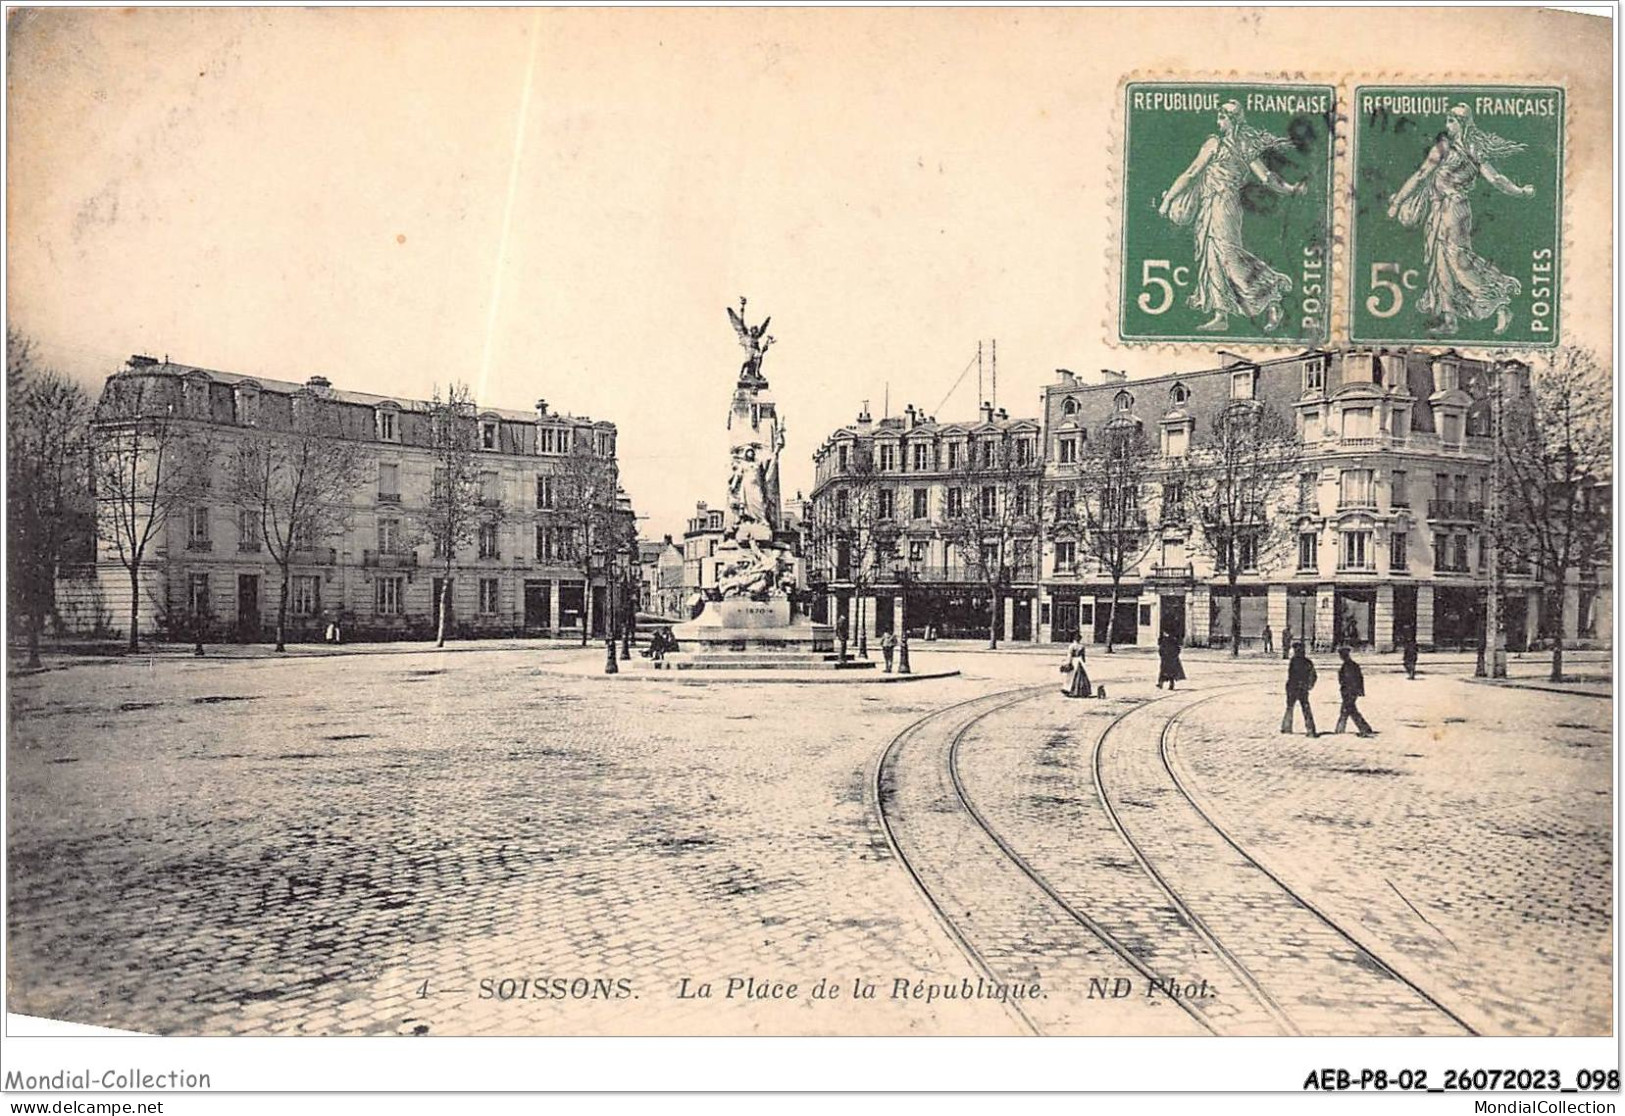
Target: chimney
319	384
1110	376
864	417
541	408
1065	376
987	412
1004	415
668	541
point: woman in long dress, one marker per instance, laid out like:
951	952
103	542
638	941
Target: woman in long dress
1229	279
1077	681
1461	283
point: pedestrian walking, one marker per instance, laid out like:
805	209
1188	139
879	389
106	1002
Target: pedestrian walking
1300	679
888	647
1351	683
1286	643
1410	657
1077	682
1171	670
1269	639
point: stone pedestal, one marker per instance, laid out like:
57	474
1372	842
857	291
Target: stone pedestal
744	634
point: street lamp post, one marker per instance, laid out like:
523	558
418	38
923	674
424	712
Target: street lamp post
900	568
630	618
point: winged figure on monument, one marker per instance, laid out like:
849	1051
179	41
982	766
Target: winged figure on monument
753	339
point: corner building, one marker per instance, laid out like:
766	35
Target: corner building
928	479
521	576
1389	510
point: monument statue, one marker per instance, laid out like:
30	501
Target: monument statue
748	618
754	340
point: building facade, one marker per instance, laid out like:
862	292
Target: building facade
661	578
1388	514
524	573
926	526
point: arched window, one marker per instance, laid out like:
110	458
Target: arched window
1070	407
1179	395
1124	401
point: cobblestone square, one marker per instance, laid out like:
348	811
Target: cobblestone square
497	842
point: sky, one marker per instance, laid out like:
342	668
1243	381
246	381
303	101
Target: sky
561	204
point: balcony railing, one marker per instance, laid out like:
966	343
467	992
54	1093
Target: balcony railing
1357	503
389	497
1172	573
1466	510
1369	442
1356	568
199	544
390	559
315	556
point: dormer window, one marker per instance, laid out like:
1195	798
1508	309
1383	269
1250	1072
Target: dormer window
1446	375
248	405
197	397
1241	384
1179	395
1070	407
488	434
1123	402
888	457
388	424
1314	375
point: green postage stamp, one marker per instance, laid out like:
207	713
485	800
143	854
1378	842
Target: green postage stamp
1226	212
1456	224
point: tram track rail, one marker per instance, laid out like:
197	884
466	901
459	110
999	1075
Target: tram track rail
956	723
1163	755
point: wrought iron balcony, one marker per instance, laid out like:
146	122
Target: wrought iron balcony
315	556
199	544
1172	573
389	497
390	559
1467	511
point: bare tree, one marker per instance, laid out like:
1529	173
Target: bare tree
147	462
853	537
47	430
298	486
995	526
1234	478
1113	531
596	528
455	509
1555	456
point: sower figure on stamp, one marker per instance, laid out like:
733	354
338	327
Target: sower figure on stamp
1351	682
1300	679
1460	283
1207	196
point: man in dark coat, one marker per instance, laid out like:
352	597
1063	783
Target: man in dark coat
1410	657
1170	669
1300	679
1352	684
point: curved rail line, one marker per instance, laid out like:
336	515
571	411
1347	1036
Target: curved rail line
1332	924
1095	928
976	957
1203	931
879	783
